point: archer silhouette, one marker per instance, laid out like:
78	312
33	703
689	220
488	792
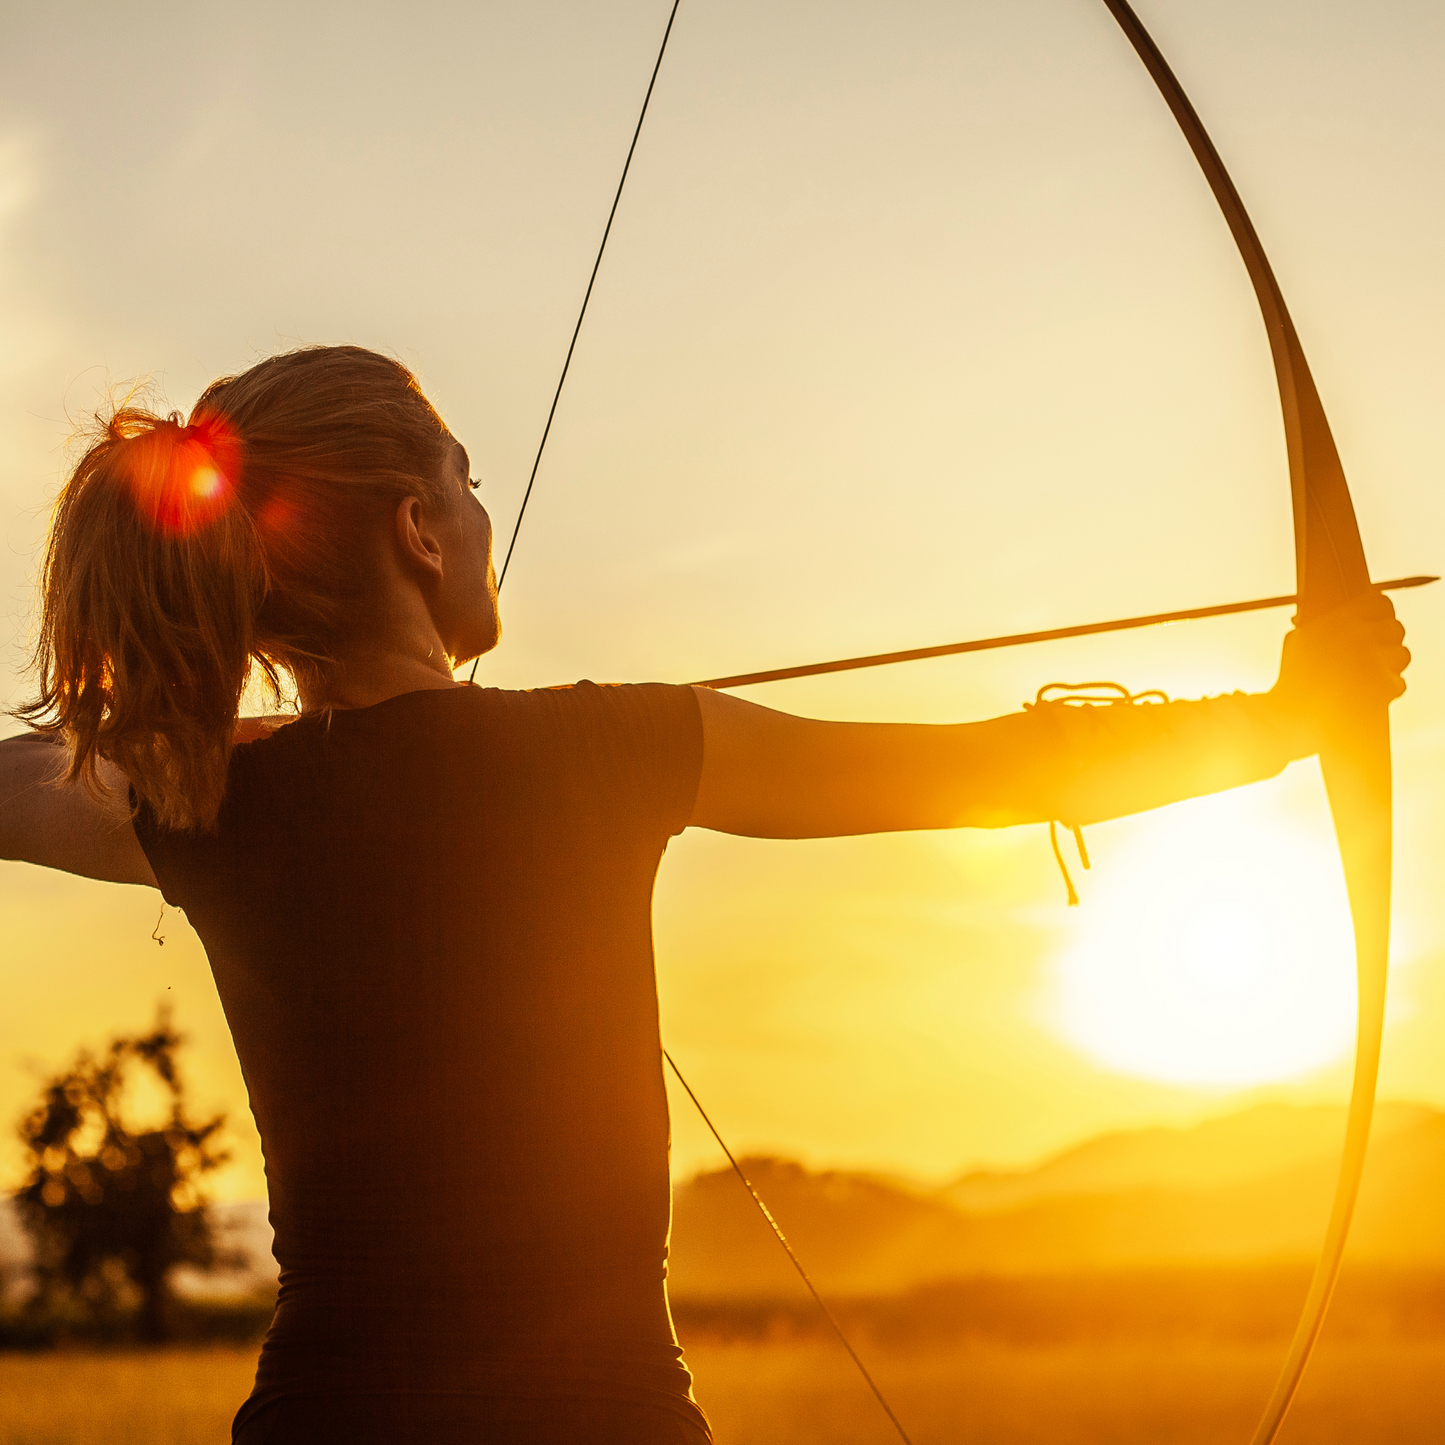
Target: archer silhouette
427	904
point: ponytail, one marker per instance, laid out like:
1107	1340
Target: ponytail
182	554
152	582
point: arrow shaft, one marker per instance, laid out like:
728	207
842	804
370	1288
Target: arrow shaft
1018	639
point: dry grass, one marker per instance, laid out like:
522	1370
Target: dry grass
161	1397
806	1394
1120	1394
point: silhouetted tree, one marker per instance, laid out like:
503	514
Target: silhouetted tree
110	1210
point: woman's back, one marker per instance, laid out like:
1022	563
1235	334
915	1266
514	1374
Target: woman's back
429	923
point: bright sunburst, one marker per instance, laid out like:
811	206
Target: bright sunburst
1214	949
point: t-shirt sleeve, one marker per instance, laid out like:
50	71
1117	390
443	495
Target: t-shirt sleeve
645	741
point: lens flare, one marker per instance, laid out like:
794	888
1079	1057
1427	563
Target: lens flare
207	483
277	515
183	479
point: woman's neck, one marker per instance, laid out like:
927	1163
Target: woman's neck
366	676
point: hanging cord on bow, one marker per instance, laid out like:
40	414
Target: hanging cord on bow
788	1248
1078	832
1085	694
581	315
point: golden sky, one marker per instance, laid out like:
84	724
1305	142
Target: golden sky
918	322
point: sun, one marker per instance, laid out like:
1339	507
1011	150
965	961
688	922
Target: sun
1213	949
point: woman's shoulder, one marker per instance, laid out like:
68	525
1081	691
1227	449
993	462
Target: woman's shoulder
578	709
628	706
255	729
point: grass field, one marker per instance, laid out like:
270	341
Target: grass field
792	1393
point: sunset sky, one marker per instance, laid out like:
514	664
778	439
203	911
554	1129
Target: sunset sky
918	322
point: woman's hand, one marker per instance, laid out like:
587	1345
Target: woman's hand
1354	656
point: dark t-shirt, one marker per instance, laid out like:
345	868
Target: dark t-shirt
430	926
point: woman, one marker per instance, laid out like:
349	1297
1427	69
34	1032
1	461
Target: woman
427	906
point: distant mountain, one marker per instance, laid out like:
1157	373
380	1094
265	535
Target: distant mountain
1250	1189
1253	1187
1252	1144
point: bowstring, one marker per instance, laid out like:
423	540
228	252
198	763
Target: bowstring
471	677
788	1249
582	314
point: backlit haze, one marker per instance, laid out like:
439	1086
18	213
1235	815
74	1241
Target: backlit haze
918	323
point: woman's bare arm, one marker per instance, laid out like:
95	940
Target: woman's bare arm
63	825
770	774
59	824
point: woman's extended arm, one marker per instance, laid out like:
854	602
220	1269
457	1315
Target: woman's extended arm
769	774
64	825
58	824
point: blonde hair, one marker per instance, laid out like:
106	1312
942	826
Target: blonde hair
183	552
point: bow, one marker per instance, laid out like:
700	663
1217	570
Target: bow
1355	759
1355	756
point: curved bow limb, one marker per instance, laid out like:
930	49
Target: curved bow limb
1355	757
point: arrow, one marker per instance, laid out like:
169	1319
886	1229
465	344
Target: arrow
1018	639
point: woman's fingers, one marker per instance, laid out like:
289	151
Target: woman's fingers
1356	651
1379	645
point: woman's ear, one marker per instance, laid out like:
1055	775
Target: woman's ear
417	540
